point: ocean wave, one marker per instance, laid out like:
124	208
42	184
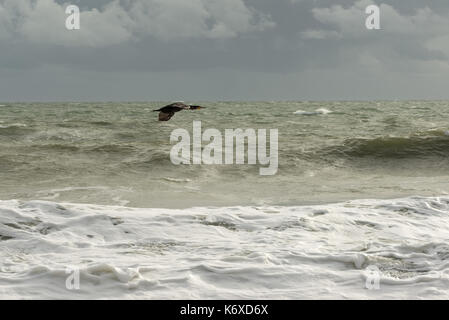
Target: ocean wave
321	251
55	147
176	180
394	147
313	113
13	125
112	148
102	123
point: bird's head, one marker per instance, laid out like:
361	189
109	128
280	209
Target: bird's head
196	107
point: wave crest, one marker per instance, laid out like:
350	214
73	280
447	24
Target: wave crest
394	147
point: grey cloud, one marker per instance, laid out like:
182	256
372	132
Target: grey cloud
43	21
239	49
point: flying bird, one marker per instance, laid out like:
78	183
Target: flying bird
167	112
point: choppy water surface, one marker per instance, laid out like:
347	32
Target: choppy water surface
119	154
91	186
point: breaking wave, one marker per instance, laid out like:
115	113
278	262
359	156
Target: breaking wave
395	147
313	113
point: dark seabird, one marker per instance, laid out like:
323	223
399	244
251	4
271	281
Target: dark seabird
167	112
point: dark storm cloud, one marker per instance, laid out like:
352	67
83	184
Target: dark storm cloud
278	49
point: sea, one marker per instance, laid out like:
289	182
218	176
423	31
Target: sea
92	207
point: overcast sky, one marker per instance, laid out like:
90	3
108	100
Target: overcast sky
196	50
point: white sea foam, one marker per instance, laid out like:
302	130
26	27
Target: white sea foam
14	125
231	252
313	113
176	180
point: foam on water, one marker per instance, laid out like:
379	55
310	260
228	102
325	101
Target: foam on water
14	125
313	113
226	252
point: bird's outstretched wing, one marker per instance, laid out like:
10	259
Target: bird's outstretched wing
180	105
165	116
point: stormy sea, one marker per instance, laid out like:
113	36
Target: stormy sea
92	207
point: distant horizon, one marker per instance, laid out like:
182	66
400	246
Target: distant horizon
225	101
